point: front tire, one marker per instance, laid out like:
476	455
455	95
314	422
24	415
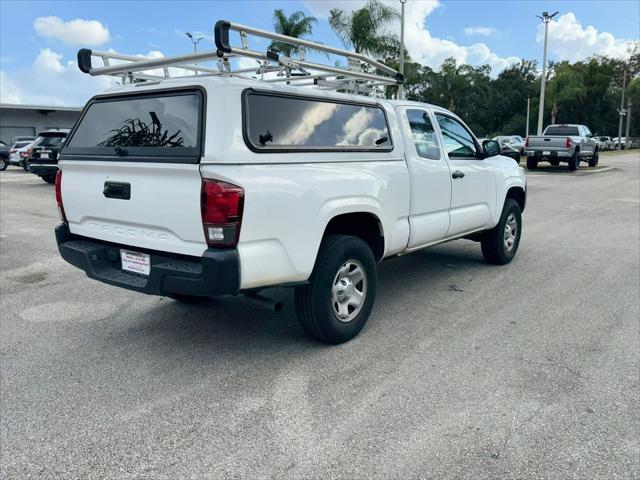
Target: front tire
500	244
593	161
338	300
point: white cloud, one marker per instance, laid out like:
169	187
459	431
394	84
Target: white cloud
421	45
483	31
74	32
569	40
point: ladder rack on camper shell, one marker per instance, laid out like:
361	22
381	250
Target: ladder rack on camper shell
360	75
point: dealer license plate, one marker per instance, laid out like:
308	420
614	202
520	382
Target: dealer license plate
44	154
135	262
546	152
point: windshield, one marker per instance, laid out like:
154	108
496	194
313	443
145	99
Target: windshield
562	130
164	124
49	141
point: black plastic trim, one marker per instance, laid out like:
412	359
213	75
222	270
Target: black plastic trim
217	272
187	155
245	123
221	36
84	60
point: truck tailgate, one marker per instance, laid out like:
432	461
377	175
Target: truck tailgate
162	211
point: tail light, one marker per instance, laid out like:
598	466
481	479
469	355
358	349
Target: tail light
221	206
526	142
63	216
568	143
13	150
26	153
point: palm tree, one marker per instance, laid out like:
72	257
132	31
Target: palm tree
364	30
297	25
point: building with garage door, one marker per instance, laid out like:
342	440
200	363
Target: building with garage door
28	120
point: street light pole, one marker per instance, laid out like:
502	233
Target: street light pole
546	18
528	107
401	86
195	42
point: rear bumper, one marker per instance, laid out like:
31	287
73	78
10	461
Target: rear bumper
43	169
549	153
217	272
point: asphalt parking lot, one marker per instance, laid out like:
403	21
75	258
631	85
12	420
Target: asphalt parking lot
465	370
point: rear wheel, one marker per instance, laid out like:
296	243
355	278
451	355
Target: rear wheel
25	165
338	300
574	161
3	164
532	163
49	179
500	244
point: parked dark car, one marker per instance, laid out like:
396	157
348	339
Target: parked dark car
44	154
4	155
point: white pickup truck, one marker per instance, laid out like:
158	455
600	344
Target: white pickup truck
216	185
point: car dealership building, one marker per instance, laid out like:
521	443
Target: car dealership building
28	120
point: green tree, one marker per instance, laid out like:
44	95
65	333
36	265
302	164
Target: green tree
365	30
297	25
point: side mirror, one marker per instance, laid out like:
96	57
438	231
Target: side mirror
491	148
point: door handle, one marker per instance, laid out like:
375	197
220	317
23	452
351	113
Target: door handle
457	174
118	190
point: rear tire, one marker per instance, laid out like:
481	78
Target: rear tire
25	165
532	163
338	300
49	179
574	161
500	244
3	164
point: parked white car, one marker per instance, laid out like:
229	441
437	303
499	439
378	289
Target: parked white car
514	141
19	153
238	185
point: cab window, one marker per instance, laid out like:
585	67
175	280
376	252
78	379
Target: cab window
457	140
424	136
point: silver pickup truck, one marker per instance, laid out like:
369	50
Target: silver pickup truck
562	143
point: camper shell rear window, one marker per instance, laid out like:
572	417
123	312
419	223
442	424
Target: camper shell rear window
276	122
151	126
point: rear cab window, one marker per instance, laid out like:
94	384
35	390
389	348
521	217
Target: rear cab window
275	122
151	126
562	131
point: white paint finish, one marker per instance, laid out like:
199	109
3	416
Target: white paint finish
163	212
473	197
430	182
289	197
288	206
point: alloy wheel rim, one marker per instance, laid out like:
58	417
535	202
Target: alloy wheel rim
510	232
349	290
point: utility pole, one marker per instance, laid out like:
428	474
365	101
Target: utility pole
401	87
528	107
622	111
626	140
546	18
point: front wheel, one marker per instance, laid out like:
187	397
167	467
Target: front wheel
593	161
338	300
500	244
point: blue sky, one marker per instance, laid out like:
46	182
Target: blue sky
38	45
